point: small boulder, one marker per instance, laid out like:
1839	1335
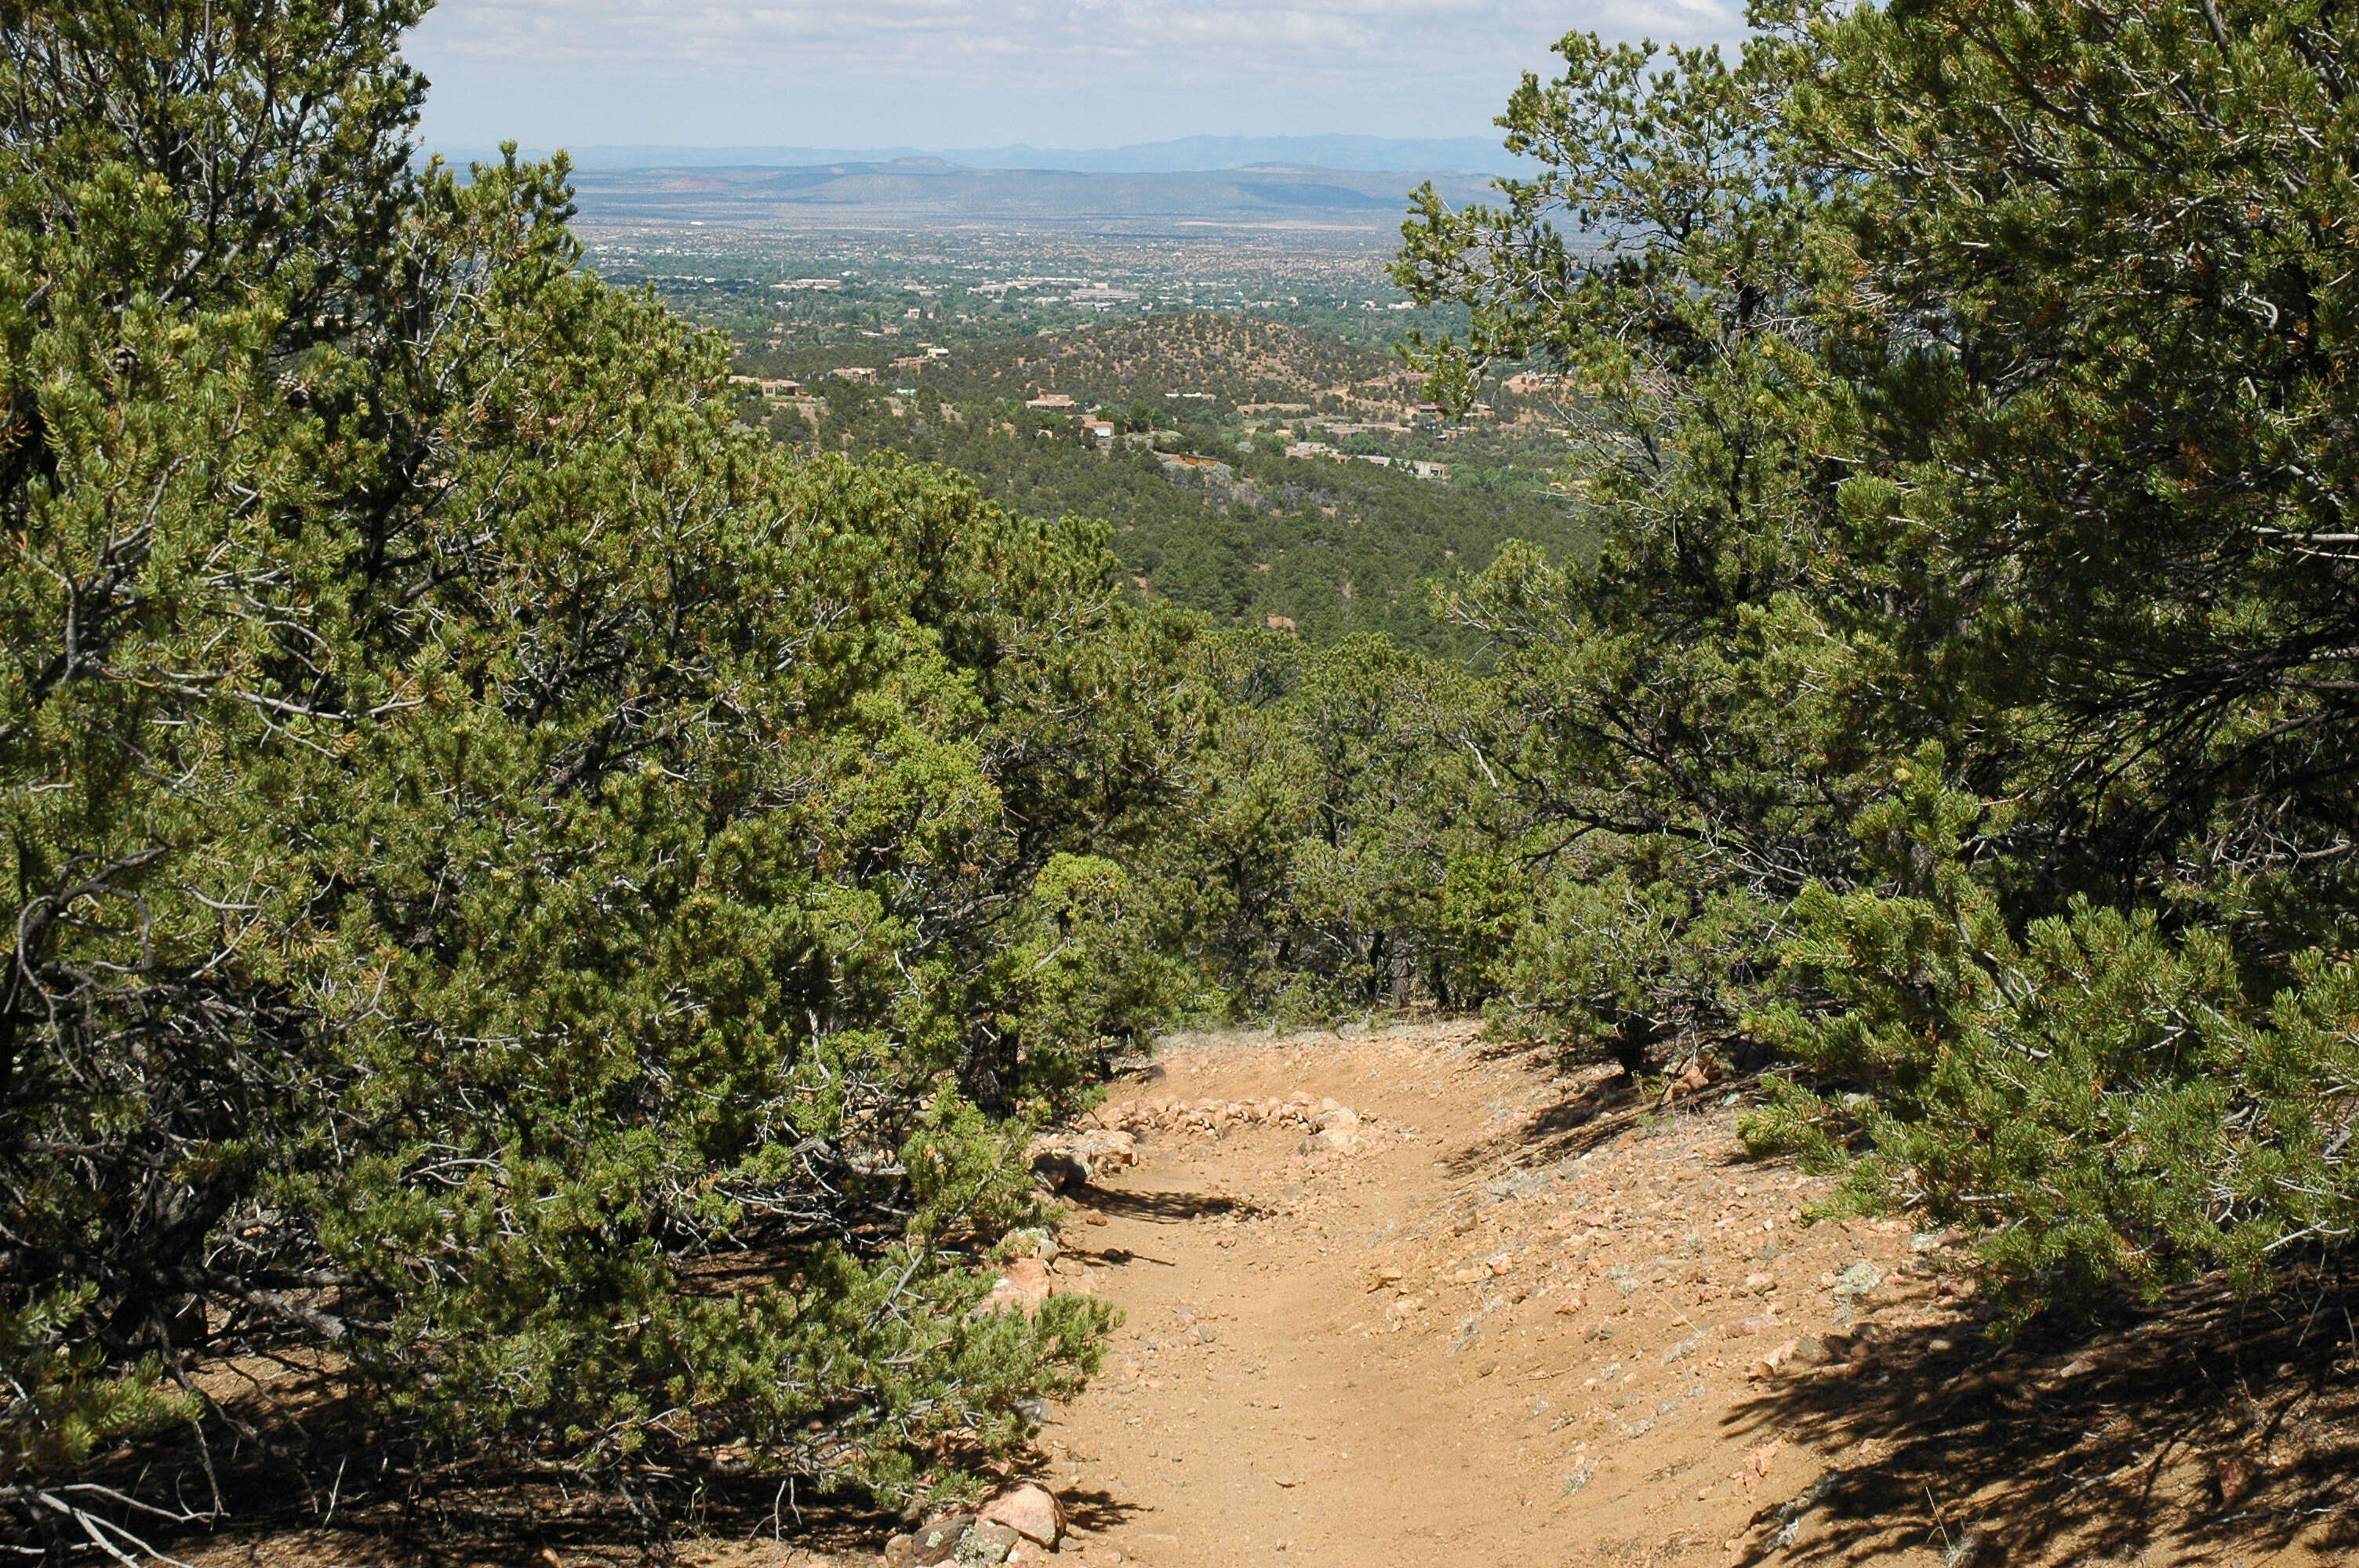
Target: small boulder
1106	1151
987	1546
901	1550
1857	1280
1033	1241
1023	1286
938	1542
1033	1512
1060	1170
1333	1140
2234	1473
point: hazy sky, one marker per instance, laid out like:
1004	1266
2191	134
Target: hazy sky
950	74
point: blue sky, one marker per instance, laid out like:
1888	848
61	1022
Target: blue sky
963	74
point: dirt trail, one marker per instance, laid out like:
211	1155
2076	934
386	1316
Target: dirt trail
1516	1327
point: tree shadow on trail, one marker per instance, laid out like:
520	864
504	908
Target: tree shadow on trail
2210	1427
1586	1118
1094	1512
1165	1208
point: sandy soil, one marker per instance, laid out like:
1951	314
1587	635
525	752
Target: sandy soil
1517	1325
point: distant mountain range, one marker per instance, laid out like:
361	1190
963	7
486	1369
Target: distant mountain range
934	190
1187	155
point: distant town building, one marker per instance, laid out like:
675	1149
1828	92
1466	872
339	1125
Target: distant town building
854	372
1531	383
771	385
1102	431
1424	470
1051	403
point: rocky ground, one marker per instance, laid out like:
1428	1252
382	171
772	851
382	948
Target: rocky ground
1406	1297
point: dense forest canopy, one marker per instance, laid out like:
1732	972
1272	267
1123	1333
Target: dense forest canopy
556	912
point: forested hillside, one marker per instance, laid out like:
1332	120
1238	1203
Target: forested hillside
1228	360
1245	537
1325	545
549	894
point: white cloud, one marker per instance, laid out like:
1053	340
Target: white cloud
969	72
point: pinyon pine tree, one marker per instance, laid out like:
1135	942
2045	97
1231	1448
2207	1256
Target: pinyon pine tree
1961	702
510	876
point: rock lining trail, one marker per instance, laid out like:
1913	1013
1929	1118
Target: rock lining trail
1491	1314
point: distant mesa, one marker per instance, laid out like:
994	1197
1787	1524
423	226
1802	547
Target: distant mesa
1343	183
1477	154
1317	195
932	192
